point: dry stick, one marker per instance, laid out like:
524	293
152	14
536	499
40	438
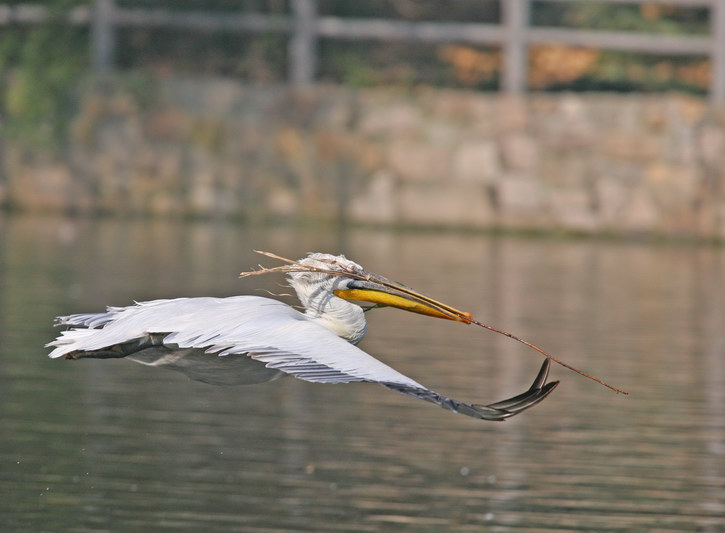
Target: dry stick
552	358
295	266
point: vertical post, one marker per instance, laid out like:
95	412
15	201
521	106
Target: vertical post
303	44
515	48
717	55
102	36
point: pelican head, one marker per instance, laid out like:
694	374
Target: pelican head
333	280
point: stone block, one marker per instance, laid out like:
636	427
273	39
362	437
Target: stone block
519	152
687	109
167	124
441	132
719	217
640	214
445	204
630	146
472	109
610	199
520	193
45	185
377	200
680	146
672	186
335	147
220	97
390	120
654	116
566	125
368	156
711	145
331	146
282	202
477	162
570	168
290	143
572	209
163	204
416	161
512	113
202	196
338	114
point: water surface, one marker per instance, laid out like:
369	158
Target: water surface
115	446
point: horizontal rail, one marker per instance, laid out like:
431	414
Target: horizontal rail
201	21
37	14
304	27
395	30
676	3
627	41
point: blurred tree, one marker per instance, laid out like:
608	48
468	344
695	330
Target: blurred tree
554	68
471	66
560	65
38	68
644	17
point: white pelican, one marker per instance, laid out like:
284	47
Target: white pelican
250	339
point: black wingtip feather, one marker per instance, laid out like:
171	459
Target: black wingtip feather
498	411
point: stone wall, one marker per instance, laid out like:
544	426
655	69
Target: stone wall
585	163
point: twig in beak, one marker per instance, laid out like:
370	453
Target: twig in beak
552	358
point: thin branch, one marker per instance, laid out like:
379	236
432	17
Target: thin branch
551	357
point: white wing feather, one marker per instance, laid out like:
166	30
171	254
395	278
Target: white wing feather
263	329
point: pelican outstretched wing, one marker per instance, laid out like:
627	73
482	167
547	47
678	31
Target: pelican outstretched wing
224	340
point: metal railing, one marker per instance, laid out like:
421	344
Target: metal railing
305	27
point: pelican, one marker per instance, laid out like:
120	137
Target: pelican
243	340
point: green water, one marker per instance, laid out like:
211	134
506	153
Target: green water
114	446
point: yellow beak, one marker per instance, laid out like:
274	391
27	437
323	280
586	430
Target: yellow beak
407	300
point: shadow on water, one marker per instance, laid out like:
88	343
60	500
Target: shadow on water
113	446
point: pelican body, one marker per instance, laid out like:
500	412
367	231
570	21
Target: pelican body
242	340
